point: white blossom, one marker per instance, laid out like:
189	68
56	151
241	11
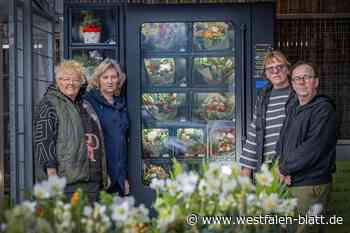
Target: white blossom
270	203
42	190
29	205
187	183
57	185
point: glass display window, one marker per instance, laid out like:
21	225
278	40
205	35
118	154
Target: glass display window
93	26
188	98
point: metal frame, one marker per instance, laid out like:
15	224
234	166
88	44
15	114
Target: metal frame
13	99
21	101
2	152
28	111
239	15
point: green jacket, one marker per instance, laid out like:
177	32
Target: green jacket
71	149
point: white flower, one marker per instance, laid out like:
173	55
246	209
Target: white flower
213	186
144	213
157	184
251	198
87	211
171	187
226	170
42	190
270	203
288	205
229	186
29	205
3	227
120	212
187	183
245	182
265	177
57	184
165	218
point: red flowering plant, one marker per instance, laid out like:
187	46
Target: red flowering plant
90	22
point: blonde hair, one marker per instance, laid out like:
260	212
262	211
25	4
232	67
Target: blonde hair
101	69
71	65
275	54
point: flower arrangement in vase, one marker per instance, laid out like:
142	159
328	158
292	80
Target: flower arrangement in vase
91	28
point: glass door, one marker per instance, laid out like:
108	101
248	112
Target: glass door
184	67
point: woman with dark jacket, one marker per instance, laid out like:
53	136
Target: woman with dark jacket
104	96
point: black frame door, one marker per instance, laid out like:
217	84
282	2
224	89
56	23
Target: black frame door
136	15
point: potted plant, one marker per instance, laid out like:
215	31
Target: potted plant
91	28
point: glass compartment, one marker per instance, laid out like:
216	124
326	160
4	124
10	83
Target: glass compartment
191	142
93	26
152	169
91	58
154	143
214	70
164	37
222	139
213	106
212	35
164	106
165	71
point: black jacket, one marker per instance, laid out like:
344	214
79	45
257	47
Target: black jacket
307	145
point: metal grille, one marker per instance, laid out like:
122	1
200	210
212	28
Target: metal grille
324	42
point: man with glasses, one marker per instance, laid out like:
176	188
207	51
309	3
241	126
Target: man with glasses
67	135
269	115
307	145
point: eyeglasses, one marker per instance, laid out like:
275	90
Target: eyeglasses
68	80
305	78
277	68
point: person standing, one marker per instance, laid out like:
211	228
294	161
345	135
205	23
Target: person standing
104	96
68	136
307	146
269	115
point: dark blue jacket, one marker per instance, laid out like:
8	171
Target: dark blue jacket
115	123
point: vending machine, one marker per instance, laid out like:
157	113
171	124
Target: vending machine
193	72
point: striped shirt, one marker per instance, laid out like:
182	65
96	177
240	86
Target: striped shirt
275	115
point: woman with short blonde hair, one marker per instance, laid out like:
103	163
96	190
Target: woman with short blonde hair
105	96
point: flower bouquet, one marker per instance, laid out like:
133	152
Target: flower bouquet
212	35
153	142
161	71
215	106
91	28
215	70
164	36
163	106
223	142
194	141
153	171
